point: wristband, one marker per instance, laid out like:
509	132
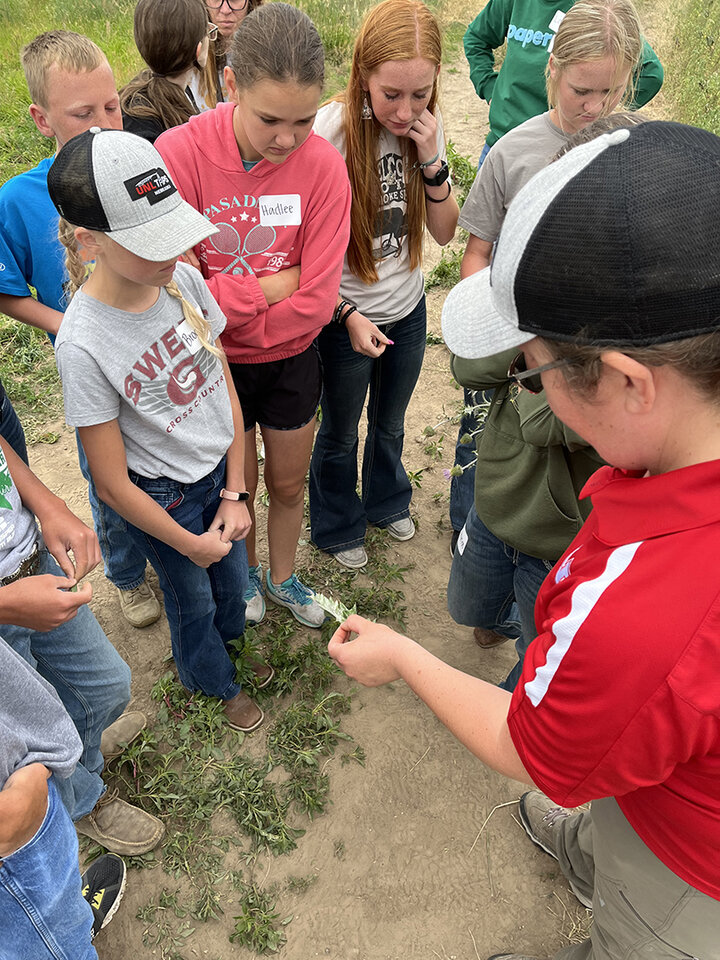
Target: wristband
439	178
429	163
337	312
234	494
344	317
442	199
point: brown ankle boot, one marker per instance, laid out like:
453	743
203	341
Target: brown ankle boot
242	713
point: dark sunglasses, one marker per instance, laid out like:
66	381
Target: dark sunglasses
531	380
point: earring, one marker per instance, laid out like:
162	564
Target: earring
366	109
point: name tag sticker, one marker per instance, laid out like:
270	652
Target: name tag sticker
462	541
280	210
189	337
556	21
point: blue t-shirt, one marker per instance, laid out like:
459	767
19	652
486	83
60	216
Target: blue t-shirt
30	252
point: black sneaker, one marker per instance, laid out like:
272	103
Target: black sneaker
103	886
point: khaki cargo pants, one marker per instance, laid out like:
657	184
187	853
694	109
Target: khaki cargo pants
641	909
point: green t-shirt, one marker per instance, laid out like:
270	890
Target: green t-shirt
517	91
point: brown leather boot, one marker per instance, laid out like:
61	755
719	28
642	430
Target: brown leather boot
486	639
120	827
243	713
263	672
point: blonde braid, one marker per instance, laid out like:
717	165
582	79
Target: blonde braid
77	269
195	319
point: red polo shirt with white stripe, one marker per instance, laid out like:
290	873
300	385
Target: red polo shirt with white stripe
620	692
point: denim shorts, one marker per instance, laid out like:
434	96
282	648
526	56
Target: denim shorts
279	394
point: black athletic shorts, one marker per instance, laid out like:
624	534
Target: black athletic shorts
279	394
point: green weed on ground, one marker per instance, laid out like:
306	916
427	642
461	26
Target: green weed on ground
228	799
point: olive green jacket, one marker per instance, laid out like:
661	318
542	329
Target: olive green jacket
530	466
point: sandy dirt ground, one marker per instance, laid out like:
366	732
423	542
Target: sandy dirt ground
416	857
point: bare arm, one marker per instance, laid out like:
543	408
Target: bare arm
473	710
63	532
105	452
44	602
23	804
476	257
278	286
232	517
28	310
442	217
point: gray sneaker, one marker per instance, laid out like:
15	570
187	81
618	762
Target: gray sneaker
298	600
541	818
403	529
511	956
254	598
355	558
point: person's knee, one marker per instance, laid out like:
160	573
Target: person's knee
460	606
336	441
286	491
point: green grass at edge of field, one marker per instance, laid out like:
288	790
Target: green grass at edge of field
692	70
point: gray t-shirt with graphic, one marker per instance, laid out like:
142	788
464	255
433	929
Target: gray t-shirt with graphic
398	288
512	161
147	371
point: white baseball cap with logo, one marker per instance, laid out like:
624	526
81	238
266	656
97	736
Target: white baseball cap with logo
116	182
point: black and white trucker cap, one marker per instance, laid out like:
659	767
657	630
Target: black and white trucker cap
617	243
116	182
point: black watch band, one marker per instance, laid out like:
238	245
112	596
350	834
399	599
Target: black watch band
440	177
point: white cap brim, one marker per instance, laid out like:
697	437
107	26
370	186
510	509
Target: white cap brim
168	235
472	327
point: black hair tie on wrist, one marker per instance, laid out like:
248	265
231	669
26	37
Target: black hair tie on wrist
442	199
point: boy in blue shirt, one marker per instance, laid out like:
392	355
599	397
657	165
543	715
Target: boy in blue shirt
72	89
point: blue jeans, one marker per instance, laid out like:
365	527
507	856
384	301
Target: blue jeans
483	153
124	562
205	607
338	516
91	679
486	579
11	429
43	912
462	488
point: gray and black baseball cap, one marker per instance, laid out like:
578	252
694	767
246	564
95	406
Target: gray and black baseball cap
116	182
615	244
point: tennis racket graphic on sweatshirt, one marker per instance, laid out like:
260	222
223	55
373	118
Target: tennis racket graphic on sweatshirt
227	240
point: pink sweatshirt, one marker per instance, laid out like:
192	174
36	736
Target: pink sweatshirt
275	216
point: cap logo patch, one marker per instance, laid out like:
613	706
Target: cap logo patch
154	185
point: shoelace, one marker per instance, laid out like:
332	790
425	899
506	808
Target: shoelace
557	813
299	593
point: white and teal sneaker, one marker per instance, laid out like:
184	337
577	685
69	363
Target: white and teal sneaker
297	598
254	599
